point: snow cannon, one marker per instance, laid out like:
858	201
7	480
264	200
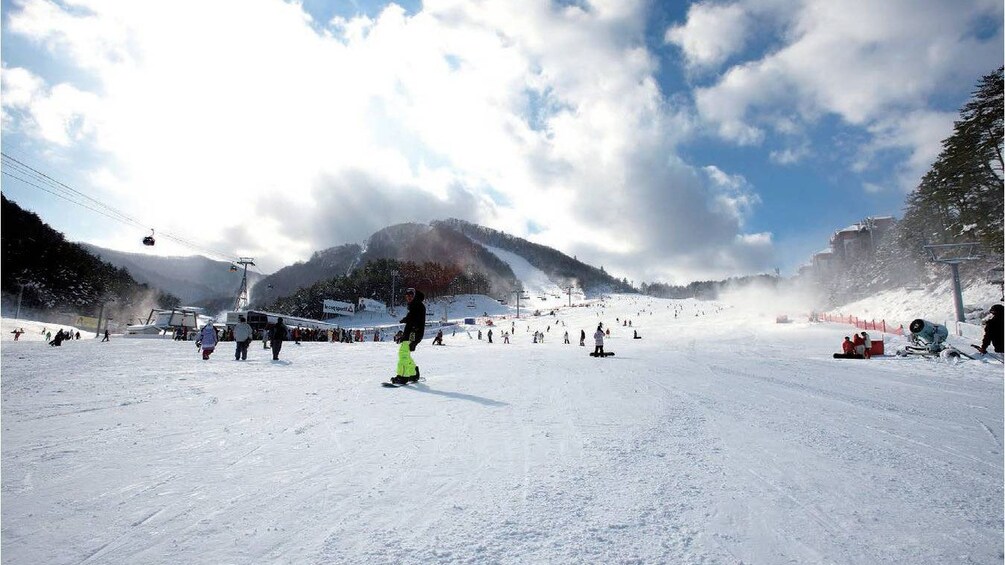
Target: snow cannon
929	334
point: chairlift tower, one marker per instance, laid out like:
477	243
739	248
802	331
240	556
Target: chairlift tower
519	294
242	293
953	254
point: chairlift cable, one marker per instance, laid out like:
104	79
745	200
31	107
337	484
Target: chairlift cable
61	190
59	186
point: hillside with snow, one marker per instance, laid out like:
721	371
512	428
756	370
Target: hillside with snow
720	436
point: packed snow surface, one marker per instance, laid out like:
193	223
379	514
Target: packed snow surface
719	437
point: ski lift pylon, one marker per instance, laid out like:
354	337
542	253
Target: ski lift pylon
149	240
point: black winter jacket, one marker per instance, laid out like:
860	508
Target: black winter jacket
415	320
993	334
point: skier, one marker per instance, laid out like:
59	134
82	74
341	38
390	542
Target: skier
438	340
415	325
566	337
993	330
582	338
17	333
104	339
242	336
278	335
207	341
598	337
490	336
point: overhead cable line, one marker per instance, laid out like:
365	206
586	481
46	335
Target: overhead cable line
44	182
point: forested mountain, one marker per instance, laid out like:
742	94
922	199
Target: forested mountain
57	275
403	243
195	280
559	267
331	262
706	290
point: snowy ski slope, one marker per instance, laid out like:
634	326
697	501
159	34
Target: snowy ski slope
720	437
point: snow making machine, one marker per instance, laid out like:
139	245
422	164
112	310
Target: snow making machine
928	339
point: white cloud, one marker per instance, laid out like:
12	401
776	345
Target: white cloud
281	139
862	61
60	115
790	155
711	34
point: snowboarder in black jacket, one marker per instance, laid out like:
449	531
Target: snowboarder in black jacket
415	326
993	330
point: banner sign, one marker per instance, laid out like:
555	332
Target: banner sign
340	308
371	306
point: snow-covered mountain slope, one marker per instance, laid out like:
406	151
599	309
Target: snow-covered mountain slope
935	304
543	292
719	437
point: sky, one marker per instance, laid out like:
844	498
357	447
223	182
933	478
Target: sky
663	141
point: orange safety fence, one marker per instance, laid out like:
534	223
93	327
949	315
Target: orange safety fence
862	324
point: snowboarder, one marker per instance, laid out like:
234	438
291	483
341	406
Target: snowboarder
438	340
415	325
277	337
992	330
848	350
490	335
866	345
17	333
847	346
566	337
242	336
858	345
207	341
582	338
598	337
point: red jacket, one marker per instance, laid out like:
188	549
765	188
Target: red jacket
847	346
857	340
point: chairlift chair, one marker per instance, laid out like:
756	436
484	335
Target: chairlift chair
149	240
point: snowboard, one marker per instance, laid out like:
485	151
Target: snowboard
848	356
604	354
995	356
393	385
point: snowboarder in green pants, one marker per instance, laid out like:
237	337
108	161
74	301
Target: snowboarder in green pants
415	325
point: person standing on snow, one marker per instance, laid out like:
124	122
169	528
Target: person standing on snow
598	337
277	338
866	345
207	341
242	337
415	325
993	330
858	344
